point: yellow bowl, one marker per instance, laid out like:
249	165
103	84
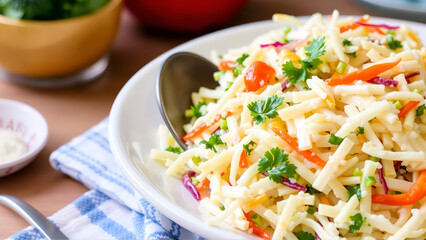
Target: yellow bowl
58	47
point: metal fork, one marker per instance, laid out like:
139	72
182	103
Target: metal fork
34	217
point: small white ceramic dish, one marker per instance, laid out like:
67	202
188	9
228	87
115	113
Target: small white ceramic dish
135	118
29	125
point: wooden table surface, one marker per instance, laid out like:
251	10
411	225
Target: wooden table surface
70	112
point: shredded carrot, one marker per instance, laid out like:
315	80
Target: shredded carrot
253	203
203	126
243	160
307	154
330	101
363	75
257	230
413	36
226	65
324	199
376	30
353	25
407	108
203	185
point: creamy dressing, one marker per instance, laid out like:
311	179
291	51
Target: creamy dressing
11	146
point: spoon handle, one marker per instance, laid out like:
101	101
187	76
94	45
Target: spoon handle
32	216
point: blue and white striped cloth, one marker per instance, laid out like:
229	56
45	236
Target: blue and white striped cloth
112	209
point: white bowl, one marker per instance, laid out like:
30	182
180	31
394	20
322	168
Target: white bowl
29	125
134	120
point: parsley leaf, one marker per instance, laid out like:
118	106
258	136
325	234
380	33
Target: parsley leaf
313	51
305	236
352	54
393	43
174	149
276	164
284	169
196	111
311	190
420	110
354	190
247	147
335	140
358	220
360	130
346	42
261	109
213	141
238	69
295	74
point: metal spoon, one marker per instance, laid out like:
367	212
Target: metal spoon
32	216
180	75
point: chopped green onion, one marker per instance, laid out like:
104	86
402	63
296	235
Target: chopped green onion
196	160
229	86
335	140
417	91
257	219
374	159
189	113
397	105
222	208
391	32
370	181
341	67
195	181
174	149
420	110
357	172
286	29
224	124
237	70
311	209
217	75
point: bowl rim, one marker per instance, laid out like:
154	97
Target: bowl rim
44	137
110	6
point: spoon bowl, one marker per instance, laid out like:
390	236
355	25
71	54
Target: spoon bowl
180	75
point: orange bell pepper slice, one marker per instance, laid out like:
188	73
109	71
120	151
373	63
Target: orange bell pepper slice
203	185
363	75
414	194
407	108
203	126
353	25
292	142
257	230
243	160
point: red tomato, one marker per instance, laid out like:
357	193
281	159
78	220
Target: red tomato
259	74
183	15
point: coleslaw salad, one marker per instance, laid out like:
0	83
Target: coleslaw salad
315	130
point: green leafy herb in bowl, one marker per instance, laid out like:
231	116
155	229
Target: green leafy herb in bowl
48	9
